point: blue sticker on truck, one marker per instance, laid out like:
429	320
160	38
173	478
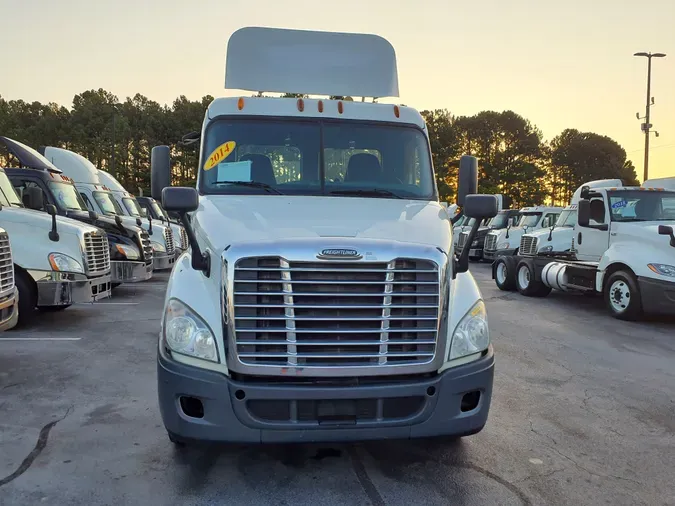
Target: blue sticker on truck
619	204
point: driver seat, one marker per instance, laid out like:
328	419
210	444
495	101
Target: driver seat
261	168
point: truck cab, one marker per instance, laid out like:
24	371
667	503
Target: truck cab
131	206
57	261
507	241
99	198
558	238
130	251
320	299
505	218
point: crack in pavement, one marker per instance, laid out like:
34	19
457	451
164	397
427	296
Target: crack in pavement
366	483
37	450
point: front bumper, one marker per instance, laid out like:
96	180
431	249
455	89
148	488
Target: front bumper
476	252
9	310
503	252
658	297
64	288
162	262
236	411
124	271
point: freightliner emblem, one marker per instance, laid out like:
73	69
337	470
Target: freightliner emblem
341	253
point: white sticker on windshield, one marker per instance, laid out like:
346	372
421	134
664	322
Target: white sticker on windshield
234	171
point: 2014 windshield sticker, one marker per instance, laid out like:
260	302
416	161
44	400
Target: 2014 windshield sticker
619	204
219	154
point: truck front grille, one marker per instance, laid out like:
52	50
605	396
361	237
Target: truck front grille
168	239
147	247
528	245
97	253
490	243
6	264
335	314
462	240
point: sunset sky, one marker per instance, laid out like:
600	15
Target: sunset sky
559	64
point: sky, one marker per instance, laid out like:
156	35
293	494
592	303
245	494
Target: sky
559	64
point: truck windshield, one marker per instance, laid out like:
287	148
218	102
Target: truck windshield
567	218
157	210
641	205
500	221
67	197
312	157
9	196
107	203
529	220
132	207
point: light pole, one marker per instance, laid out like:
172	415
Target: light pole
112	164
650	101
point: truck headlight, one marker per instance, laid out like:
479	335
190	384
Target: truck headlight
131	252
663	269
158	246
187	333
63	263
546	249
471	335
503	245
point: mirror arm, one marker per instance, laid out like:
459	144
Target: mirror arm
53	233
149	224
200	261
461	264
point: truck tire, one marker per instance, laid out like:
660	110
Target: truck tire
505	273
27	297
526	283
622	296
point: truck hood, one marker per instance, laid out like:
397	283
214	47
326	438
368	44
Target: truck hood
644	233
227	219
103	222
42	220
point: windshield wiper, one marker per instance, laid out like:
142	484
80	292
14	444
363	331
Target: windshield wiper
372	192
253	184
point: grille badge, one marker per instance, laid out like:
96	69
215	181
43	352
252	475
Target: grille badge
339	253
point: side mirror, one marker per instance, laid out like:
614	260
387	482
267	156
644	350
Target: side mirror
481	207
467	179
51	211
160	170
93	216
180	199
584	213
33	198
667	230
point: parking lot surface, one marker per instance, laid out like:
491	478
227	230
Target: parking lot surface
583	412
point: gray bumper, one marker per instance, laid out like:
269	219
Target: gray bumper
61	289
276	412
504	252
476	252
9	310
123	271
658	297
488	254
163	262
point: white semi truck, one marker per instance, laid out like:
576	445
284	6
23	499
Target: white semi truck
57	261
99	198
507	241
321	299
9	295
622	247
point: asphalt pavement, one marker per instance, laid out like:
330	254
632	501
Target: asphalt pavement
583	412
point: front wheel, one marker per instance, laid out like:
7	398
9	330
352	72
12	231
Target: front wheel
27	297
526	282
622	296
505	273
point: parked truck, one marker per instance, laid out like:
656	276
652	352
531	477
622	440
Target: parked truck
9	295
320	299
507	241
130	251
505	218
623	248
57	261
155	209
99	198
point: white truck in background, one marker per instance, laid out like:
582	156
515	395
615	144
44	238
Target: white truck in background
131	207
623	248
99	198
57	261
320	299
507	241
9	295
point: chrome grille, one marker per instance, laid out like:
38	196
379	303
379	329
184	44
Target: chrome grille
168	239
490	243
97	253
335	314
147	247
528	245
183	238
6	264
462	240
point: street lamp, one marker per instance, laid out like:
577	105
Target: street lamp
650	101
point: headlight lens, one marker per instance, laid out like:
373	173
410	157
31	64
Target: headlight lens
131	252
663	269
158	246
187	333
546	249
471	335
64	263
503	245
